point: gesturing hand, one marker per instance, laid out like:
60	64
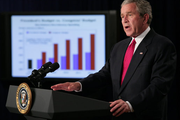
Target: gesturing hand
119	107
67	86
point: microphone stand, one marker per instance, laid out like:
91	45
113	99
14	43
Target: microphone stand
40	82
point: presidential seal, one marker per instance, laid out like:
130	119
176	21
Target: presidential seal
23	98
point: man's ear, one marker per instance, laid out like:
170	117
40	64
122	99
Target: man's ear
146	18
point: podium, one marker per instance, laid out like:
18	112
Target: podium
58	105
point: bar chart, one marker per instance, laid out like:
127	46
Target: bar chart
65	60
79	48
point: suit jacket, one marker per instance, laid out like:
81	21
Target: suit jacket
148	78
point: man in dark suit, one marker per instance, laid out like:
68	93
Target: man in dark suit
140	86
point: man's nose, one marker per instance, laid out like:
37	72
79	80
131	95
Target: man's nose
125	20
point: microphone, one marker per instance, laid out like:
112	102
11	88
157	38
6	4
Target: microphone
43	72
46	65
35	72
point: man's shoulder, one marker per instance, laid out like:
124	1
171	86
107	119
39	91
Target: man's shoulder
158	38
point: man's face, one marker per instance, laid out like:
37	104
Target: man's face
133	23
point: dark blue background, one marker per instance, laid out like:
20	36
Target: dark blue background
165	21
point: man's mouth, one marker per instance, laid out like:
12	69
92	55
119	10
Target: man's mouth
126	27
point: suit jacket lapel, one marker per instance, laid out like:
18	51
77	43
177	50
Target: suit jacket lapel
120	60
137	58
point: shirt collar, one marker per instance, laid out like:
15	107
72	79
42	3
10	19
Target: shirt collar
142	35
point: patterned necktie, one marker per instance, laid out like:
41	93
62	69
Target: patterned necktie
127	58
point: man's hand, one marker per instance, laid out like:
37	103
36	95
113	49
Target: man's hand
67	86
119	107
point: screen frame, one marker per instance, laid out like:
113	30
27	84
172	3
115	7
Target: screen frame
111	26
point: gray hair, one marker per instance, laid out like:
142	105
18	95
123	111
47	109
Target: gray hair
143	7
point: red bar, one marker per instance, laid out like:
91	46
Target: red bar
80	53
92	52
43	58
55	52
67	54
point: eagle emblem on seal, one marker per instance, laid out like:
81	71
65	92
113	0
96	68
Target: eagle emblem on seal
23	99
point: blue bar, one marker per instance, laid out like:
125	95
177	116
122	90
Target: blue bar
88	61
63	63
39	63
51	60
75	62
